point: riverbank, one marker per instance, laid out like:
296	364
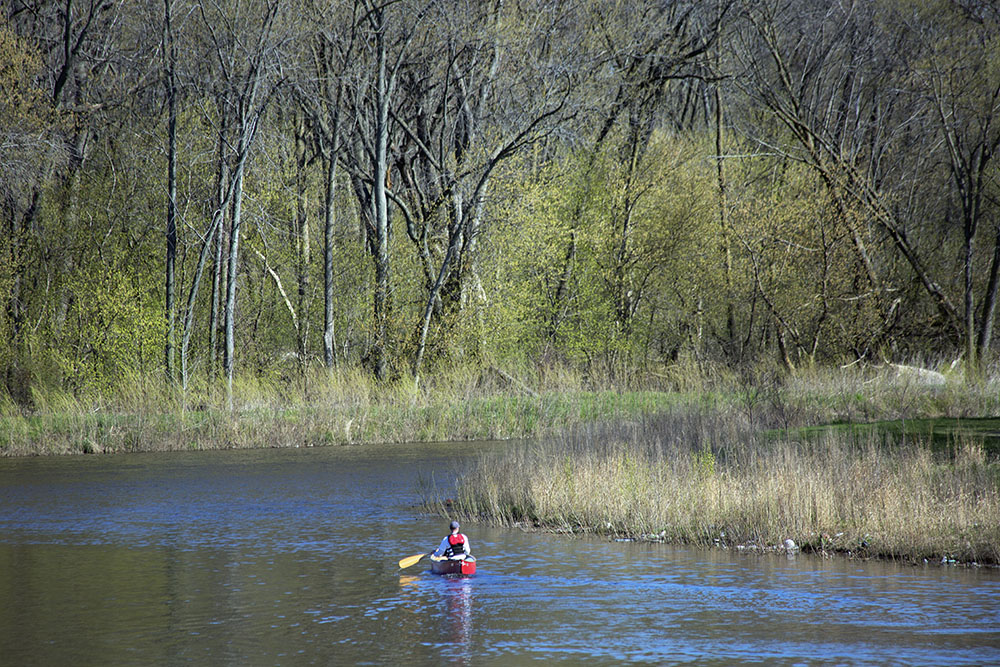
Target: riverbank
858	461
346	410
708	477
349	408
861	462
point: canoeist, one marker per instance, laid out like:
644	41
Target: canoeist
454	546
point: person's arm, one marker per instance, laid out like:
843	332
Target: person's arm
441	548
468	545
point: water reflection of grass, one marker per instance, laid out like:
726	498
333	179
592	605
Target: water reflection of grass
941	432
710	477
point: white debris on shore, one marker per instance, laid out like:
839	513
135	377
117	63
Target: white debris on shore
923	376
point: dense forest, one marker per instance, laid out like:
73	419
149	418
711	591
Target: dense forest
206	188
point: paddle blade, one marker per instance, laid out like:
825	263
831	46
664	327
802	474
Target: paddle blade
410	560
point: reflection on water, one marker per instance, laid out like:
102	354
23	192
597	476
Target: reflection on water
459	600
408	581
290	557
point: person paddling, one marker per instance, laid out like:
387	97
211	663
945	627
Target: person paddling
454	546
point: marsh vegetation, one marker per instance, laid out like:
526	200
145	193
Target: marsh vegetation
740	472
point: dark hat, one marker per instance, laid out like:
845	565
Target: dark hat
454	525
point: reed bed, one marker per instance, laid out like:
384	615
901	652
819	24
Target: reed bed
710	478
316	410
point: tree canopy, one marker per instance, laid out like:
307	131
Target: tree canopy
206	187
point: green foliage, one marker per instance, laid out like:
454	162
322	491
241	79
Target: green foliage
567	220
111	328
22	106
800	265
703	463
602	246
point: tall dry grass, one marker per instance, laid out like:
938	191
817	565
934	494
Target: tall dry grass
285	409
320	408
710	478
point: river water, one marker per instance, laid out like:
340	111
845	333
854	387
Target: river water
288	557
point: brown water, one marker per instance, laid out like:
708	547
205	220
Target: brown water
287	557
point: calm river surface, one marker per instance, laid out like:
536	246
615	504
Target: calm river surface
286	557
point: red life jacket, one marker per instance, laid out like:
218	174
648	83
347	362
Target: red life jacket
456	545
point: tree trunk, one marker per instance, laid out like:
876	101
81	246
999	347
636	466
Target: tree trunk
207	244
723	203
329	219
303	251
215	315
216	241
969	334
989	302
233	261
622	293
380	205
454	241
171	93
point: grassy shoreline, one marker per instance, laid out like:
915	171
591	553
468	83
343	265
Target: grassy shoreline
699	478
840	464
499	416
918	480
349	408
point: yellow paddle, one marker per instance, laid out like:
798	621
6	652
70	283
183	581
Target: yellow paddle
410	560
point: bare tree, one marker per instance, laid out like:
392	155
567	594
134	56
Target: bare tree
29	152
826	73
638	54
482	87
960	77
170	86
244	40
68	48
320	91
386	32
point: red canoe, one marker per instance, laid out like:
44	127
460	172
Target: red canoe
447	566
